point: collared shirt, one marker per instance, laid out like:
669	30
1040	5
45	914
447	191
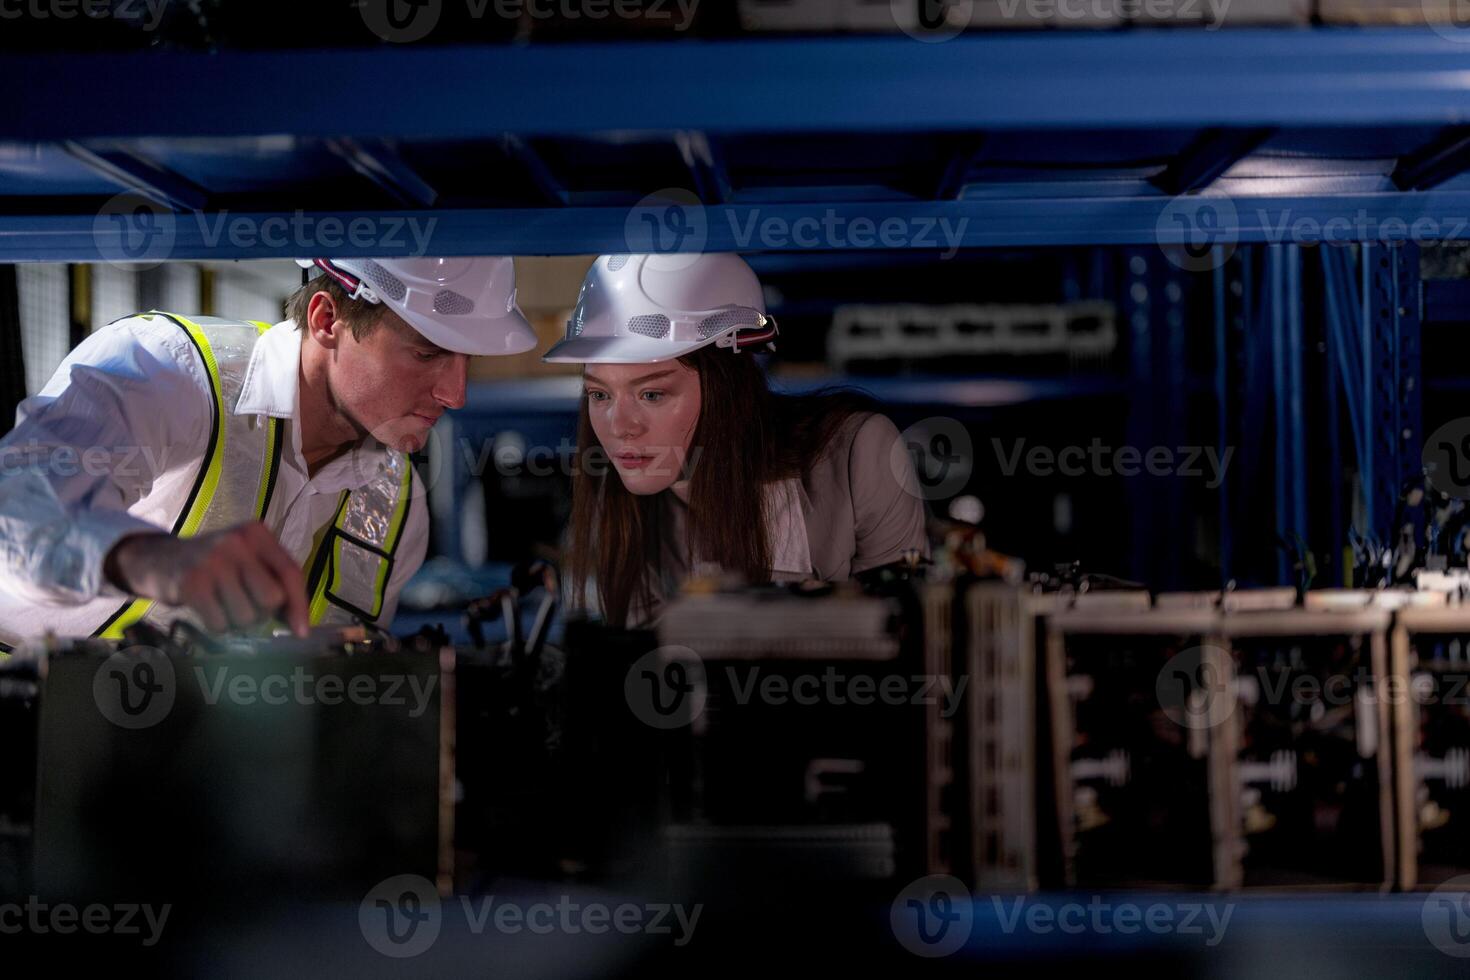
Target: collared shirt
111	446
858	506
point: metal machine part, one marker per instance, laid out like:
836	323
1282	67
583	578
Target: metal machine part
209	771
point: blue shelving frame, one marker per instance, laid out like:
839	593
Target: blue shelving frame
1016	140
1256	142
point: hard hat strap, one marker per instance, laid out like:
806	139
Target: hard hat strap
356	288
745	337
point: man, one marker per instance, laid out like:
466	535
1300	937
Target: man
236	473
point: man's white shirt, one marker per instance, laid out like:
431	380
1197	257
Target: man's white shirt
111	446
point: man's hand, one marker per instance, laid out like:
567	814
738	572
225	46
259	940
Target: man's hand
231	579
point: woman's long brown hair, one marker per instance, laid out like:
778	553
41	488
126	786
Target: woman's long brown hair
746	436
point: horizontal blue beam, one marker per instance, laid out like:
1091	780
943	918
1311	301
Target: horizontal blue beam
560	395
381	164
1252	77
141	176
1210	155
144	234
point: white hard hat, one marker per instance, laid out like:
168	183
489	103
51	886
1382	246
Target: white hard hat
639	309
466	305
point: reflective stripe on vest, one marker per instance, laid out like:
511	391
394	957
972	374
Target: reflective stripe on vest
348	571
238	477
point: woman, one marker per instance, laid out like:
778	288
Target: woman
711	471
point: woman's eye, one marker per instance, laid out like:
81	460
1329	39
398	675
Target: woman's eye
596	396
653	396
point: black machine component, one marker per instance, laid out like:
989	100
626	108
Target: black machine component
1139	795
1430	648
1215	748
1310	777
580	763
512	716
566	766
208	772
803	752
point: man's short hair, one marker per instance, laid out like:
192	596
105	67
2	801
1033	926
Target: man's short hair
360	316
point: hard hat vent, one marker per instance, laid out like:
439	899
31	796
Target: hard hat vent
724	320
650	325
384	281
450	303
616	262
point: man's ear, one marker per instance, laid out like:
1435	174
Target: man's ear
322	322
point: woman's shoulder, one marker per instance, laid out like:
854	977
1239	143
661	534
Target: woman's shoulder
865	431
862	439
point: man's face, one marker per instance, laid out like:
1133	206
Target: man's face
394	384
644	416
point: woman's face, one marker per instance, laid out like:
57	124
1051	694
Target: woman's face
644	417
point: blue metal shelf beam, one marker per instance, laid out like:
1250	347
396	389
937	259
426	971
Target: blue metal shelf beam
1212	153
933	227
379	163
535	168
1388	77
951	182
560	395
1435	164
141	176
702	156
